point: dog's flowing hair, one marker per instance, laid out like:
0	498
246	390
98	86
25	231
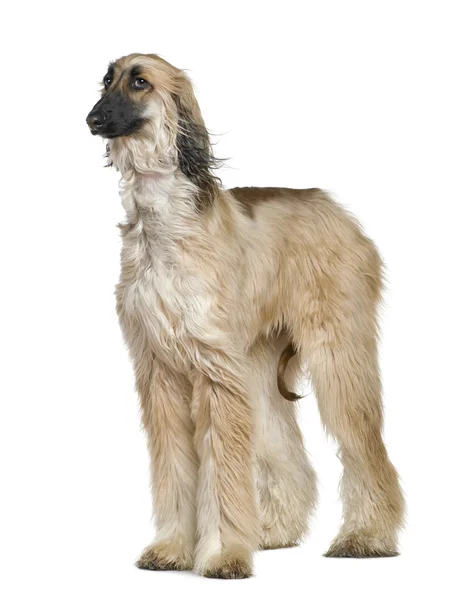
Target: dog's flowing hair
219	291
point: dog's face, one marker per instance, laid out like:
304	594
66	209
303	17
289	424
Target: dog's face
133	91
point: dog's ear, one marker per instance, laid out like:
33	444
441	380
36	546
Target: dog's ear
195	154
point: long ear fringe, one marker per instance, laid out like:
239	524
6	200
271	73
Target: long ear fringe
195	154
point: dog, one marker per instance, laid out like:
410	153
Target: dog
226	299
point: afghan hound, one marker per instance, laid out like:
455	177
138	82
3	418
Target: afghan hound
219	290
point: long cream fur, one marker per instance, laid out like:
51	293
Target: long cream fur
215	285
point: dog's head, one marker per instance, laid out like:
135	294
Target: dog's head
150	116
135	90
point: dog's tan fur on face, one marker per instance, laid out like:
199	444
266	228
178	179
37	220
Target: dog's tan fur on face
217	288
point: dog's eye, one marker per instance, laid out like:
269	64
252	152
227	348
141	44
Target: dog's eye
107	82
140	83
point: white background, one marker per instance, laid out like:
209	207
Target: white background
365	99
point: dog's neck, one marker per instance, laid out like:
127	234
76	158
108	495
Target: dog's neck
159	218
164	207
162	204
152	184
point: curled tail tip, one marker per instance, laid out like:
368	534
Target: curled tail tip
286	355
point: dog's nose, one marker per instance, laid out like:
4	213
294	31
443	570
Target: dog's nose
95	120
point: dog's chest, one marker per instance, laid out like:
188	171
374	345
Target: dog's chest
162	300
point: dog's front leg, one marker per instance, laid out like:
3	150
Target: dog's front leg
227	514
165	400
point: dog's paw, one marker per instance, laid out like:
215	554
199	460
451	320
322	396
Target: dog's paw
229	565
233	568
359	546
165	556
275	545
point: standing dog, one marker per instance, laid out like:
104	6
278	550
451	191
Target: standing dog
219	289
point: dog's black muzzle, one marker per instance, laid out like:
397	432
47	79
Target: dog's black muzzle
114	115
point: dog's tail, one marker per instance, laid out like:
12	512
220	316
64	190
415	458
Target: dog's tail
286	355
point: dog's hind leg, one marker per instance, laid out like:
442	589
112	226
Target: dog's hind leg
339	342
286	480
346	381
